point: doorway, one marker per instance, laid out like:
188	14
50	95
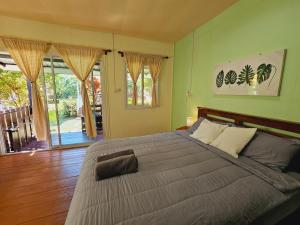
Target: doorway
17	133
63	103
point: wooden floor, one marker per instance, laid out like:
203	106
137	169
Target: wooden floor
37	189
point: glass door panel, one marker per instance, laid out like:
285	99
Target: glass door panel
95	96
66	119
51	106
53	117
69	109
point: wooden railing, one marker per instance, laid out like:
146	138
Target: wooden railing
16	128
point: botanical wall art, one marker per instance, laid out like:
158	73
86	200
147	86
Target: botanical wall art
258	75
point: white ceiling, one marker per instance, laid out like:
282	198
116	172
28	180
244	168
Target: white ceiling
163	20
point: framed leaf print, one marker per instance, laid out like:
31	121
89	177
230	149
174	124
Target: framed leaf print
258	75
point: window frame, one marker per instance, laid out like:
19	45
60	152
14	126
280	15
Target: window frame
141	106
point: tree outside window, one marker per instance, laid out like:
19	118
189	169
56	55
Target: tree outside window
144	86
13	89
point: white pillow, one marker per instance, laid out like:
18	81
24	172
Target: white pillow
208	131
233	139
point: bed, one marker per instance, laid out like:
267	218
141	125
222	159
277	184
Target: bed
184	181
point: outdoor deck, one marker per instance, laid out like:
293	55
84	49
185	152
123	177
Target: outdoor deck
68	138
74	137
15	129
16	132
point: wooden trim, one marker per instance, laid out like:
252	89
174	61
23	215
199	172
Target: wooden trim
183	128
241	119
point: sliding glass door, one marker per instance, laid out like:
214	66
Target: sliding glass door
64	103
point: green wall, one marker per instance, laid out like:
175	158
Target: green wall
247	28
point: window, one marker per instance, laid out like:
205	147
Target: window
144	88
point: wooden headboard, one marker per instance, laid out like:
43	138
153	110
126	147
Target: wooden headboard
248	121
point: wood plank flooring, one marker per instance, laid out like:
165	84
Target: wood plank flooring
37	189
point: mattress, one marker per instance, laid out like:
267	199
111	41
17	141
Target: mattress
180	181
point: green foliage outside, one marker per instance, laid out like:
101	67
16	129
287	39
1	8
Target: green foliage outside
69	107
66	86
147	88
52	117
66	94
13	89
147	81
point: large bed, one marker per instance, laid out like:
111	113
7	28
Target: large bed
184	181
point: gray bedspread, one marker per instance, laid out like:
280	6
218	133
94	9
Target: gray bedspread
180	181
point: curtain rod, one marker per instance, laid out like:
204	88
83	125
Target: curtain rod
106	51
47	59
45	66
122	55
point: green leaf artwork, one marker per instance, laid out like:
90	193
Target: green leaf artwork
263	72
230	77
220	79
246	75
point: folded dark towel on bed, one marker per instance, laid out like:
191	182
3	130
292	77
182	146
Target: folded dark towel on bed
115	154
116	166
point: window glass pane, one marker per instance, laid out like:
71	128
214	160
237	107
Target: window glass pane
68	105
140	90
97	87
94	86
147	86
129	89
94	90
49	84
144	86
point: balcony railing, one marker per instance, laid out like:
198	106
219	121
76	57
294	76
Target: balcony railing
15	129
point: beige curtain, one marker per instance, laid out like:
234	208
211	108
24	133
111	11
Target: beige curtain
134	64
28	55
154	63
81	61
